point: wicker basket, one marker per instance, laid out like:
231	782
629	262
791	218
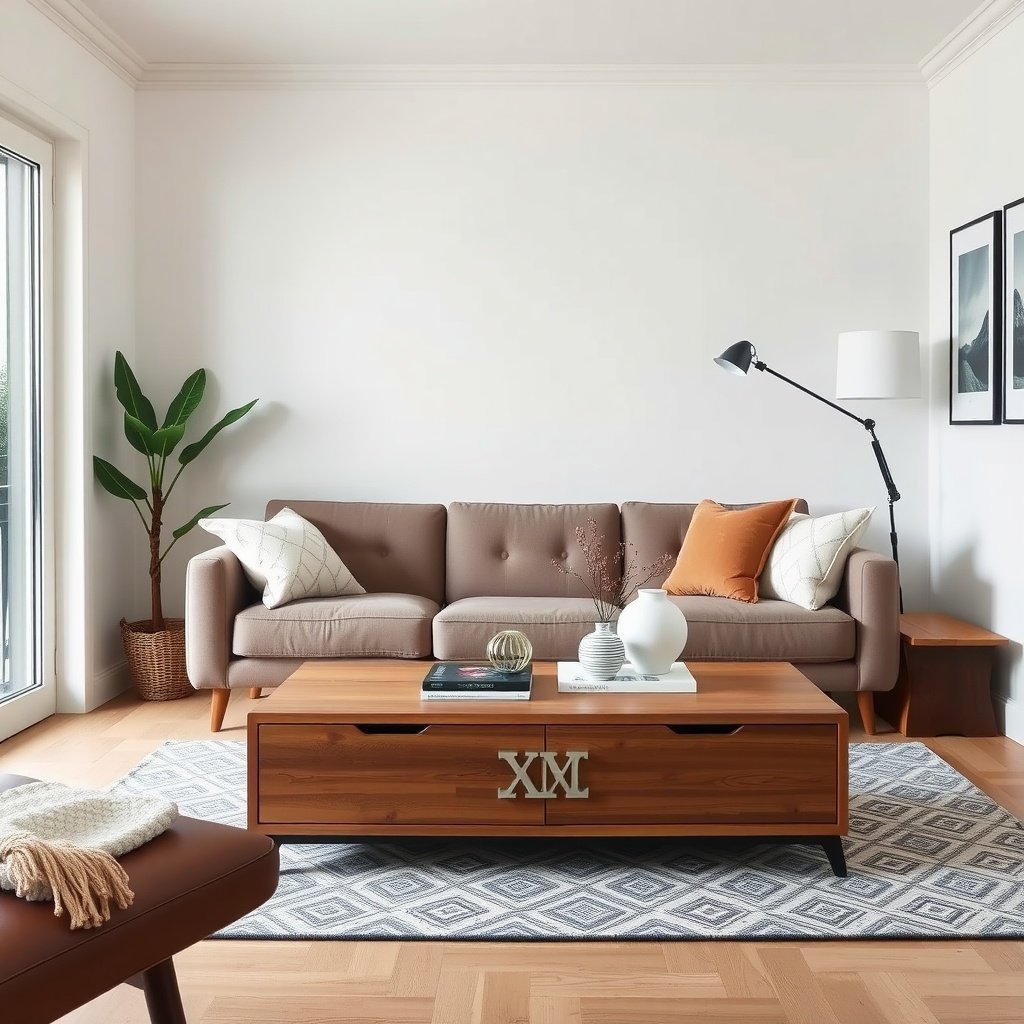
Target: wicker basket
156	658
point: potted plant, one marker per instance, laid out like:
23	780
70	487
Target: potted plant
155	647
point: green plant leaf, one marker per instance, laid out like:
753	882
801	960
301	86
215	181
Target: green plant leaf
192	451
208	511
130	395
166	439
140	437
114	481
187	400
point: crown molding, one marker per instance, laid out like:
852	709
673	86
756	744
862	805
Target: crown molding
76	19
968	37
163	76
82	25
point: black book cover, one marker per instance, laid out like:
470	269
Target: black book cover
467	676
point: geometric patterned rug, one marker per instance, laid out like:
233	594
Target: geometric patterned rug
929	855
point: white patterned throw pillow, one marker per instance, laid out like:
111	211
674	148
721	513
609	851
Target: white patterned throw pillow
286	557
806	563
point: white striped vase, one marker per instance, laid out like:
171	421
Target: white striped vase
601	652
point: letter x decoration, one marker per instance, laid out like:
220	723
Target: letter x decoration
555	777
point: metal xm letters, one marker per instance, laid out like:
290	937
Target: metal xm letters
553	775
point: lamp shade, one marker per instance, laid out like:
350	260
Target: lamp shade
878	364
736	358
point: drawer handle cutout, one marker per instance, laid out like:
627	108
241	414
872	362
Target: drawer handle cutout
392	729
705	730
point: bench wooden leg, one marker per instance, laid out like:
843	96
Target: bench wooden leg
218	705
866	707
255	692
163	1000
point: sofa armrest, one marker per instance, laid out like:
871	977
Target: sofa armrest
870	593
216	590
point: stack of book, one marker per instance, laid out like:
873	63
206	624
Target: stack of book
573	679
460	680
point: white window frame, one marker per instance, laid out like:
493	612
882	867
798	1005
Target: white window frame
25	708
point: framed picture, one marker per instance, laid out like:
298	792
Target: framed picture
1013	315
975	320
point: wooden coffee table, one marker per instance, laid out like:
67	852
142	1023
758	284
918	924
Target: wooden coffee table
348	748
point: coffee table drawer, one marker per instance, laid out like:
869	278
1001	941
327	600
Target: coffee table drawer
662	774
390	774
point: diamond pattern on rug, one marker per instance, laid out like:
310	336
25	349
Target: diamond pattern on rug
929	855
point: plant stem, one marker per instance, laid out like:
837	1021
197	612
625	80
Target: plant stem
154	560
167	550
145	525
174	480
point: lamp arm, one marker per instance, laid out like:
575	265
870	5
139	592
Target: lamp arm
876	447
807	391
868	425
894	496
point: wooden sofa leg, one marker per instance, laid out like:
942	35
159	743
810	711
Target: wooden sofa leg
255	692
163	1000
218	705
866	707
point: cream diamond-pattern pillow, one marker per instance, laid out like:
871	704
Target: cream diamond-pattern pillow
805	565
286	557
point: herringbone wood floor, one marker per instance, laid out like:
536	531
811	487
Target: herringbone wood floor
543	983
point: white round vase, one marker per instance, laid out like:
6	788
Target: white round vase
653	632
601	653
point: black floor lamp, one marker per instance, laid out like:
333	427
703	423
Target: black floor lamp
871	364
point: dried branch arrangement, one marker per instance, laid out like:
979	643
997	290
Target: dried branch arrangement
614	573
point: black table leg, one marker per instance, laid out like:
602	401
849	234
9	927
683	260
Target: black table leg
833	847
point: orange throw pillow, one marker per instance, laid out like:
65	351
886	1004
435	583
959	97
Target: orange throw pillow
725	550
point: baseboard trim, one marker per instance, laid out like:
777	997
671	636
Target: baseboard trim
1010	717
108	684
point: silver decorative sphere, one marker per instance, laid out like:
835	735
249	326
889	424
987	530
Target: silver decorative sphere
509	650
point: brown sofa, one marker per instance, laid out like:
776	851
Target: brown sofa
440	582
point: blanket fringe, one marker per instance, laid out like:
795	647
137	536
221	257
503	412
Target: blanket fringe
81	881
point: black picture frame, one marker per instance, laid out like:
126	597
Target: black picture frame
1013	312
976	309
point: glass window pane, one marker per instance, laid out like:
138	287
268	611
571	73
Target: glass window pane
20	535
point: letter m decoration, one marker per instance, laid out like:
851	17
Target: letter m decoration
554	776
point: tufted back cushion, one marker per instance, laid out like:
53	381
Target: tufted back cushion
506	550
390	548
656	528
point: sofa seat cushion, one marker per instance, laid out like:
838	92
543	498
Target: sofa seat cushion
554	625
363	626
721	629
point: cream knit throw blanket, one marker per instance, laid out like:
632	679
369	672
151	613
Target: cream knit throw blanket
59	843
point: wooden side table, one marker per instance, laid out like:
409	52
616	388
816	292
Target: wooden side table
945	676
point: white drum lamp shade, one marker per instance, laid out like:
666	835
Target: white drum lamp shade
878	364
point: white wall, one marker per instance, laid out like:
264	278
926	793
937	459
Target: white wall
53	84
977	165
515	293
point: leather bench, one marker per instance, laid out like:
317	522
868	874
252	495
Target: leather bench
194	879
